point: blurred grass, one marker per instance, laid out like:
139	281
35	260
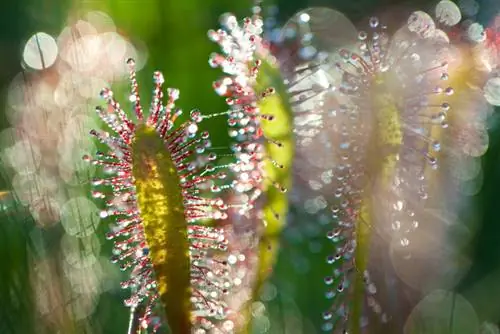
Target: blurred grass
175	33
17	312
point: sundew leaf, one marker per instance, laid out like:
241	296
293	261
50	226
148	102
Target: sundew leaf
161	179
160	200
261	124
376	107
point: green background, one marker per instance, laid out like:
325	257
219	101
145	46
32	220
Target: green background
175	33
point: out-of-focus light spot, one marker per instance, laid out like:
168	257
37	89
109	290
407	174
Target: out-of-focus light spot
46	285
489	328
75	172
228	325
138	51
468	7
101	21
83	28
80	28
467	167
80	253
83	54
40	51
304	17
421	23
476	32
85	278
442	312
79	217
476	144
45	211
24	157
32	117
115	47
425	262
262	324
258	309
473	186
101	55
269	292
92	87
492	91
8	137
64	93
448	13
440	36
111	276
83	302
301	264
73	145
27	187
16	97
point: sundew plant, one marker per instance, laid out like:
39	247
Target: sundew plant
332	187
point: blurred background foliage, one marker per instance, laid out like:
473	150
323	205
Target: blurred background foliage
174	34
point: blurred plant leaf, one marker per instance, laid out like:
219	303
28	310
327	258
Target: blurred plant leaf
276	200
17	314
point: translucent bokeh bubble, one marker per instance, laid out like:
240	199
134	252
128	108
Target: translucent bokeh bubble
468	7
92	87
476	32
258	309
111	275
139	52
442	312
489	328
448	13
473	186
28	187
40	51
440	36
68	85
8	137
83	54
326	29
115	46
75	172
477	143
465	167
84	280
74	143
261	324
32	119
492	91
79	28
16	97
48	296
425	262
46	211
80	253
84	288
269	292
79	217
101	21
421	23
24	157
